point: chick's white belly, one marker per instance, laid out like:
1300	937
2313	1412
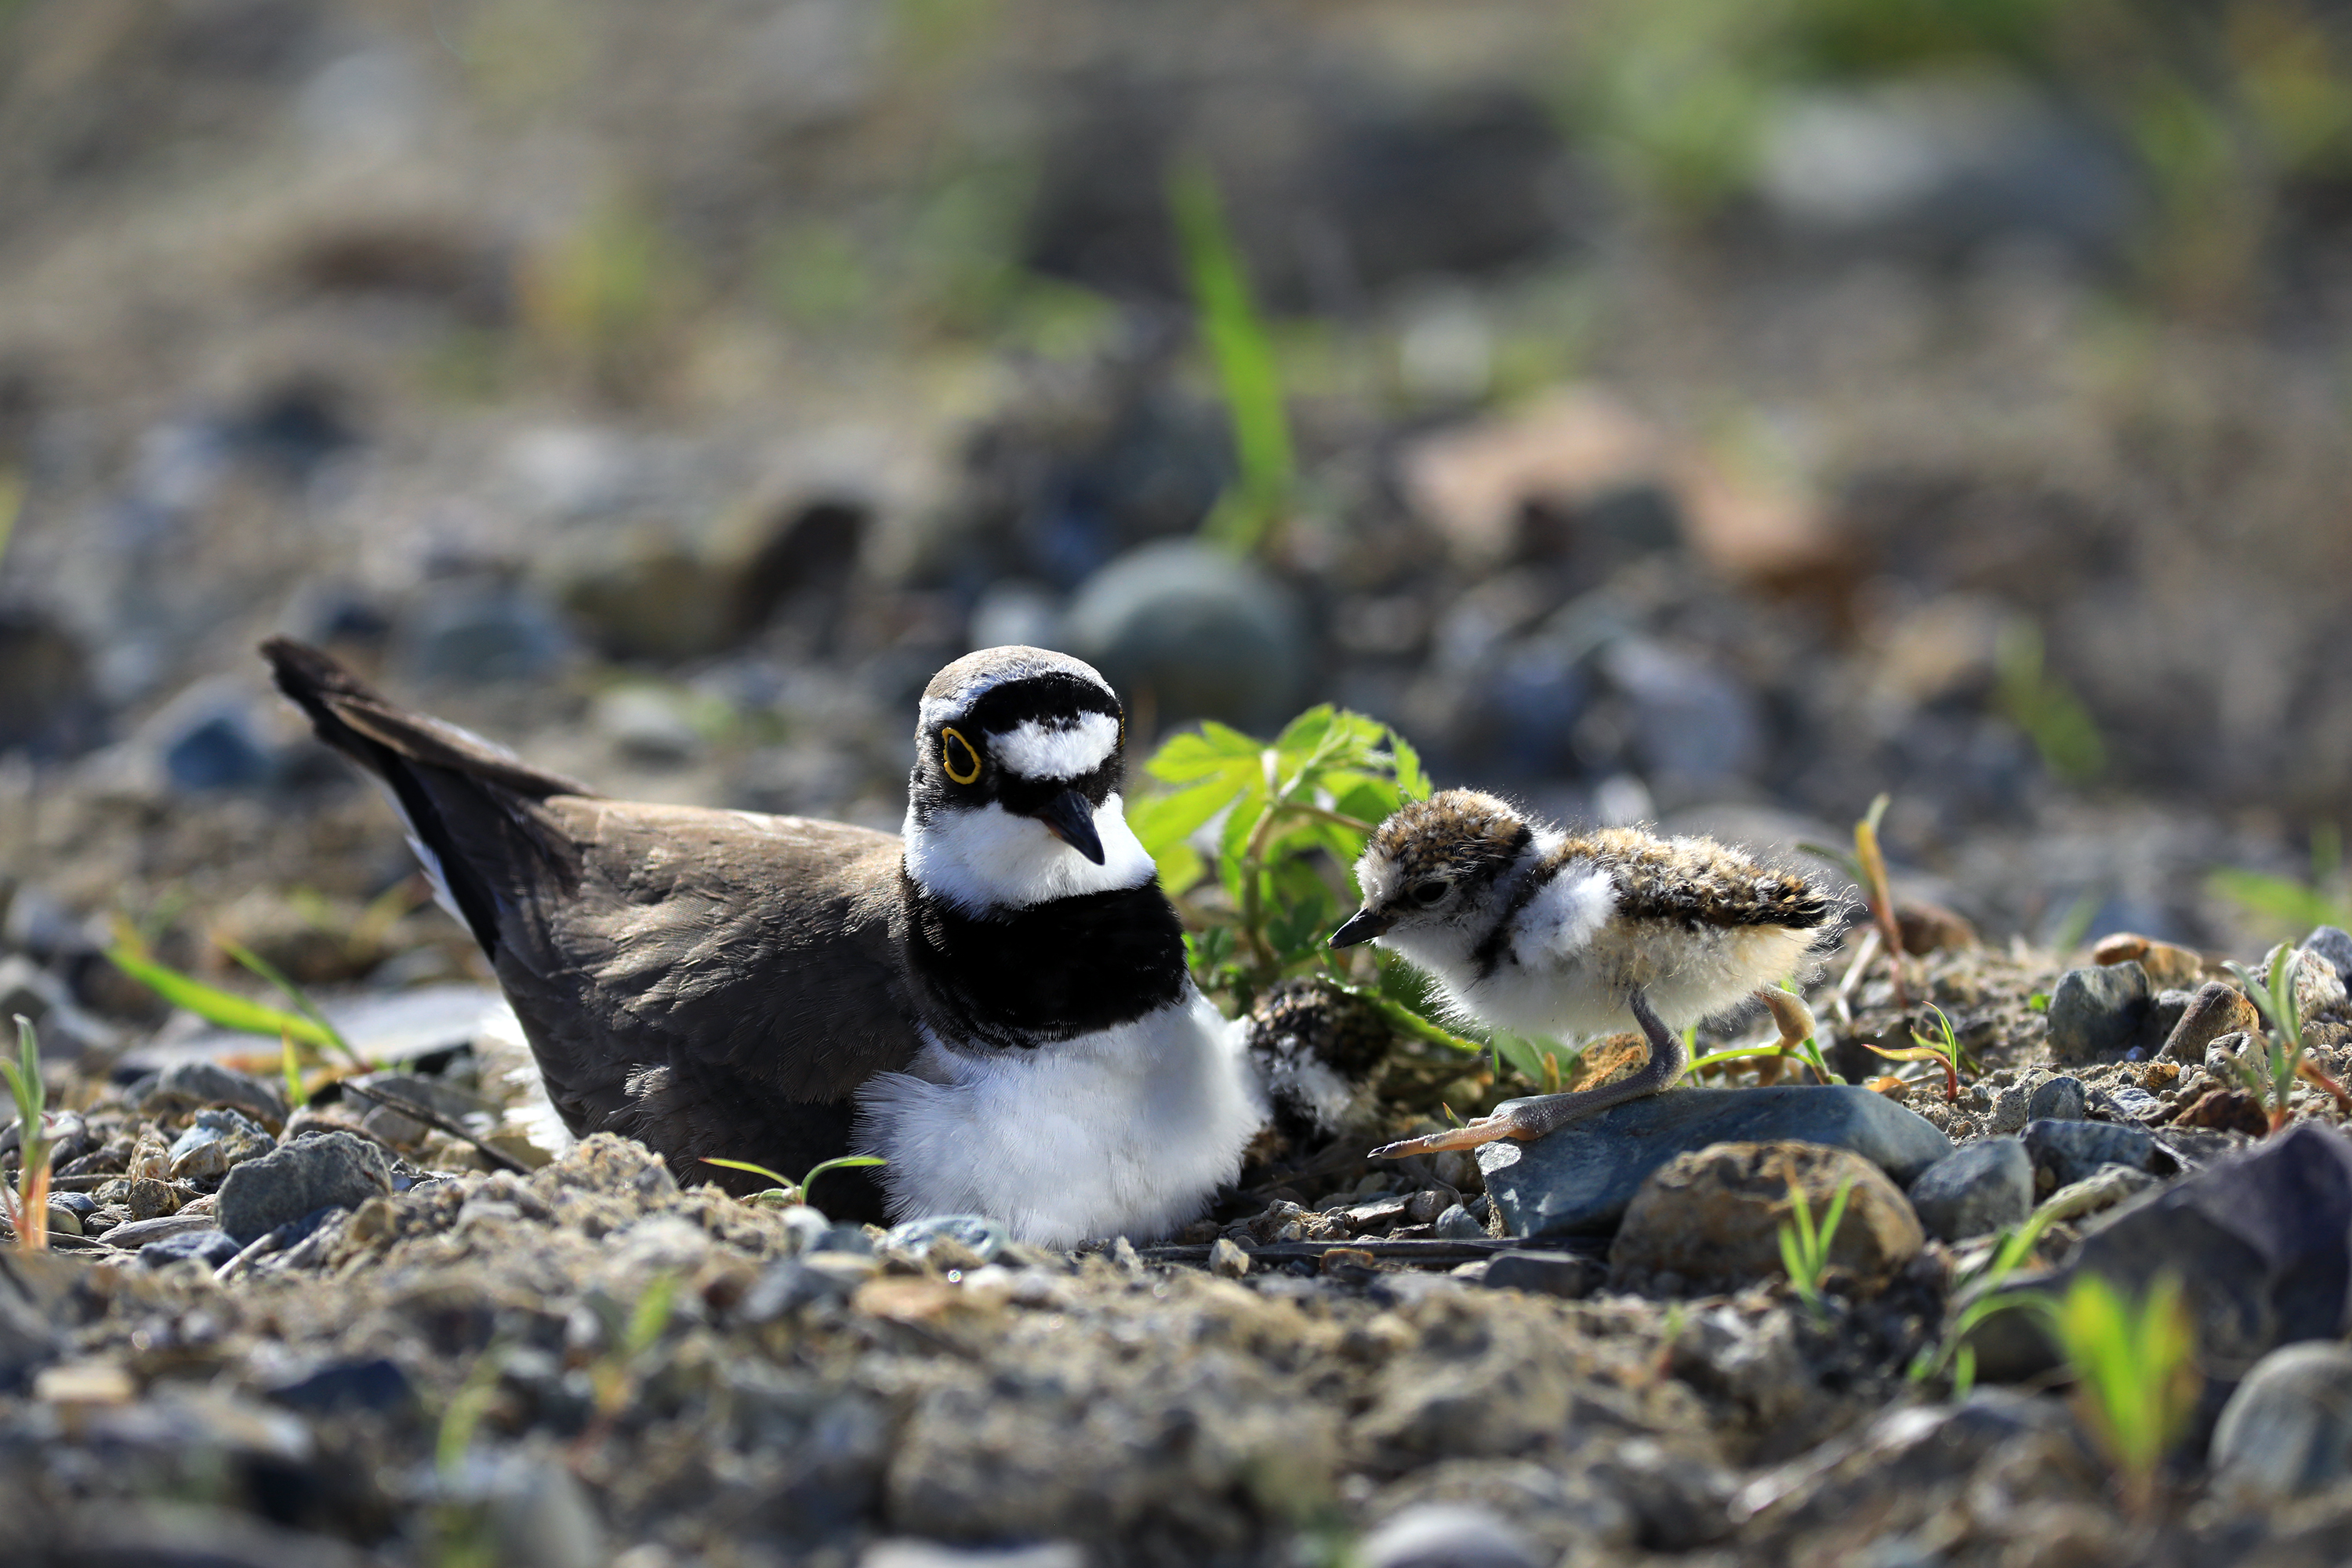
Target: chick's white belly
1123	1132
1686	974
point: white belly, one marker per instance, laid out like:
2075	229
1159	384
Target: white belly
1123	1132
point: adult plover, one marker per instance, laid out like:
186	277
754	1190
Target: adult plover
997	1004
1526	929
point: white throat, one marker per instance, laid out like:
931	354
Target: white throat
989	858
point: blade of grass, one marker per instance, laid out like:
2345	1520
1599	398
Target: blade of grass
215	1005
269	972
1244	357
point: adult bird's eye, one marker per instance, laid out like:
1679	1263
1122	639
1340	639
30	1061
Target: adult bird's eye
958	758
1431	891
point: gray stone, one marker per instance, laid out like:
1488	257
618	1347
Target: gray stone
2058	1099
2096	1014
798	1282
2287	1431
215	1141
915	1240
2334	945
2101	1189
2128	1103
198	1085
326	1169
1227	1260
1447	1535
1207	635
2165	1011
1455	1225
934	1554
484	630
133	1234
1544	1273
2215	1009
1580	1179
2064	1153
28	1340
209	1246
1983	1187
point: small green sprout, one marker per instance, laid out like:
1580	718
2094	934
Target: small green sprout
1867	866
797	1192
1245	361
306	1026
1943	1047
1805	1247
1982	1284
33	1146
2281	1047
2136	1370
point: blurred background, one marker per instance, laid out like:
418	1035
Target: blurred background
1713	412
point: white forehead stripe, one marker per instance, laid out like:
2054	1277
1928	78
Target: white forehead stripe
1035	749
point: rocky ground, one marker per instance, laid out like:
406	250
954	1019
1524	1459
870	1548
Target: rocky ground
343	1333
666	391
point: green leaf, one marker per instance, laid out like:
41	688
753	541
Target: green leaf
1412	781
1163	821
257	964
1241	351
215	1005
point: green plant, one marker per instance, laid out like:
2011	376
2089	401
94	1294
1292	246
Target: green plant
1805	1247
2282	1052
306	1026
2038	702
1867	866
1943	1047
1795	1022
33	1148
797	1192
1243	355
1317	789
2295	907
2135	1372
1982	1285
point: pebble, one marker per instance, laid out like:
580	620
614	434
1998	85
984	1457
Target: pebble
47	700
2286	1432
208	1246
2096	1014
1455	1225
2101	1189
212	737
2058	1099
917	1239
1714	1215
134	1233
198	1085
1226	1259
1447	1535
1561	1274
2214	1009
2334	945
326	1169
934	1554
63	1221
1580	1179
376	1384
467	633
215	1141
1983	1187
798	1282
2063	1153
1206	634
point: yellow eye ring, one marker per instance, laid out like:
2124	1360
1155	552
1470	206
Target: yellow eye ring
950	742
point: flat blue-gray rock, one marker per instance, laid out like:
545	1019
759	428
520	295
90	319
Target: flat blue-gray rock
1975	1190
2287	1431
1579	1180
2064	1153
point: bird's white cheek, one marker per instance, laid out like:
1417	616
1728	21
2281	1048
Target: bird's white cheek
990	858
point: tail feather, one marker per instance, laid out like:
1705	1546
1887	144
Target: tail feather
468	802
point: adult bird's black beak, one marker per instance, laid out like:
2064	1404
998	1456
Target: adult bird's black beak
1362	926
1070	817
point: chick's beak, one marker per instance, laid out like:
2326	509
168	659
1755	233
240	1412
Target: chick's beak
1362	926
1070	817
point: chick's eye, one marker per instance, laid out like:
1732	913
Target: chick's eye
957	757
1431	891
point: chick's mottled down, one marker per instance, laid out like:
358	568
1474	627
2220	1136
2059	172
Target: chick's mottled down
1532	929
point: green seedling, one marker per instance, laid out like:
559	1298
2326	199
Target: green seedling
1243	356
2041	705
33	1148
290	1067
2290	905
1943	1047
2282	1046
306	1026
2135	1372
1805	1247
797	1192
1867	866
1316	791
1981	1284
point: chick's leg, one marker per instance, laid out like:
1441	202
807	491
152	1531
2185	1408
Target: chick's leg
1669	1060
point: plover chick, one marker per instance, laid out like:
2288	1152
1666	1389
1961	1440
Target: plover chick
1528	929
997	1002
